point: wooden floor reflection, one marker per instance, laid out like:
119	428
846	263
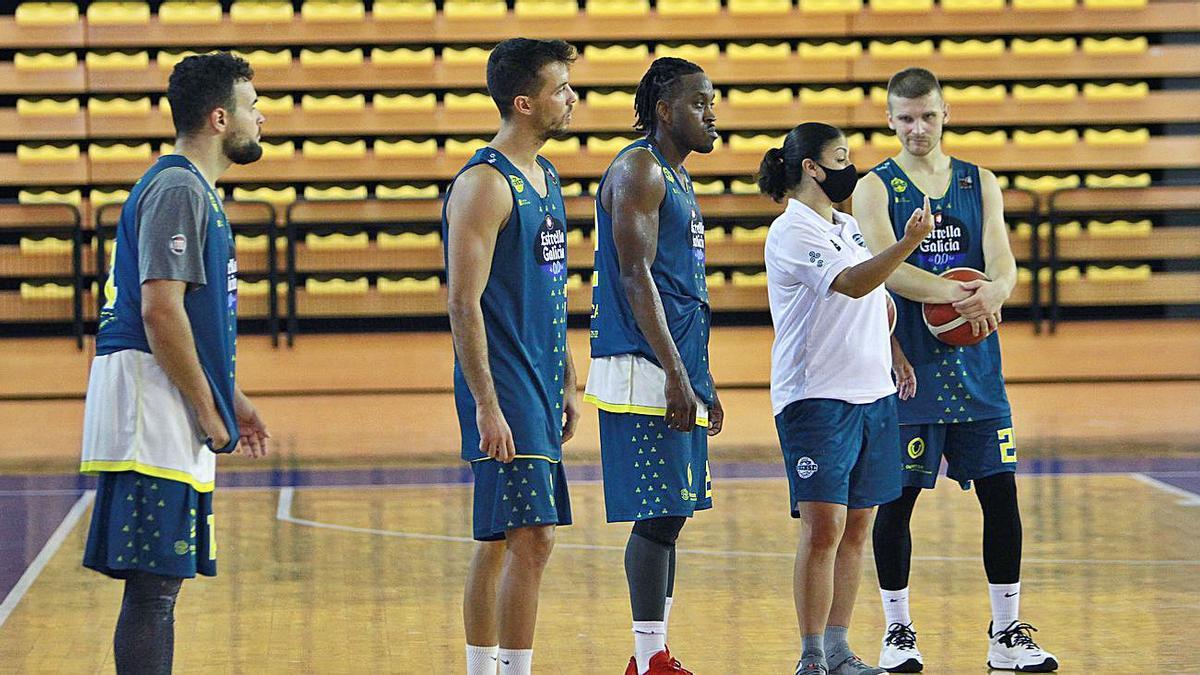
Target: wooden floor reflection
369	580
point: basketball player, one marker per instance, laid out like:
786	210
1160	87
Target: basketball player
514	382
963	413
650	321
831	380
162	396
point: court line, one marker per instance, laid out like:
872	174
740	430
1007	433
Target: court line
43	557
283	513
1188	498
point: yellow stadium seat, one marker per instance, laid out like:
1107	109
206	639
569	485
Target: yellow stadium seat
1003	181
617	7
118	61
261	11
47	107
119	106
276	104
473	101
856	140
831	96
973	93
167	60
705	52
1115	4
47	14
406	191
709	187
118	13
284	150
748	7
885	141
406	148
718	143
119	152
276	196
1116	46
878	95
1045	184
356	286
333	103
1116	137
607	145
1046	92
757	143
245	243
47	153
574	282
758	51
332	11
474	9
572	190
760	97
403	10
610	100
975	139
755	233
465	55
714	234
1044	5
335	58
258	289
688	7
335	193
1043	47
1047	138
100	198
616	53
546	9
1116	91
335	149
901	6
1119	228
166	149
49	291
408	240
457	148
1025	276
716	279
47	246
402	56
408	285
750	279
1118	273
263	58
972	48
45	61
743	186
972	5
190	13
559	147
404	102
1138	180
830	51
902	49
337	241
830	7
73	197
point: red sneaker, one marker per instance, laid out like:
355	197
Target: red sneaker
661	663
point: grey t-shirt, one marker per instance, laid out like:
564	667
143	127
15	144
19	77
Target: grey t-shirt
172	224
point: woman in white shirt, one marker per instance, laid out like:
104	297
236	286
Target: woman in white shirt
832	391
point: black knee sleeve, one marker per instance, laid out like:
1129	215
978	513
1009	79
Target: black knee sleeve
1001	527
663	531
892	541
648	557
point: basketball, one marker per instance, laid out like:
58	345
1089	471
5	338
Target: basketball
891	310
944	322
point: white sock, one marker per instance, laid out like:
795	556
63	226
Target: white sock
1006	604
667	615
482	660
515	661
649	638
895	607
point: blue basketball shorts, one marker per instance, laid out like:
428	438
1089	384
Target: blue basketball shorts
973	450
651	471
527	492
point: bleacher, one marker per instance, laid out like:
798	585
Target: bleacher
372	107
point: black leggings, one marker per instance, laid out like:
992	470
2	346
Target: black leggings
144	643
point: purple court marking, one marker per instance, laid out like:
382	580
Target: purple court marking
26	523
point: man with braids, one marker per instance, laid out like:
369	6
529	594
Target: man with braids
649	335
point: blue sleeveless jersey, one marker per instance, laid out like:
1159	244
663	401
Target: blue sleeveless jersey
524	314
954	384
211	309
678	273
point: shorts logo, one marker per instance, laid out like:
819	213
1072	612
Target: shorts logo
806	467
178	244
181	547
916	448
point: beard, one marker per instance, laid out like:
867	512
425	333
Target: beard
242	150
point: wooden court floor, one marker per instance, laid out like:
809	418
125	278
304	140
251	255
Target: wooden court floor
368	579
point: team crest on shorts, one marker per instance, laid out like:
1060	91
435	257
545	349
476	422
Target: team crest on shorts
805	467
916	448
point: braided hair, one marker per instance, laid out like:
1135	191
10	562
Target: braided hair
658	84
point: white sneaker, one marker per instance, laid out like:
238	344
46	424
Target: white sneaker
1013	648
899	653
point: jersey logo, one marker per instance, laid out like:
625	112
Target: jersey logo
517	183
899	185
815	258
667	174
178	244
965	182
858	239
837	247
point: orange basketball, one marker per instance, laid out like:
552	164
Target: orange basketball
944	321
891	310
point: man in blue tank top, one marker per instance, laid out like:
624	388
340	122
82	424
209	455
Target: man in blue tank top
514	382
961	410
162	396
650	322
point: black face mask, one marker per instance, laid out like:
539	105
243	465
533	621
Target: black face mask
839	183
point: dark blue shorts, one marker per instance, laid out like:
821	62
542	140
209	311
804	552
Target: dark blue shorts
651	471
839	452
522	493
141	523
972	450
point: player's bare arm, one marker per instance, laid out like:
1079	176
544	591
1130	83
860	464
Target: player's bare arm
987	297
253	431
860	279
570	398
479	205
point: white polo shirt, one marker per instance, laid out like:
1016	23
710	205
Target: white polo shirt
827	345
